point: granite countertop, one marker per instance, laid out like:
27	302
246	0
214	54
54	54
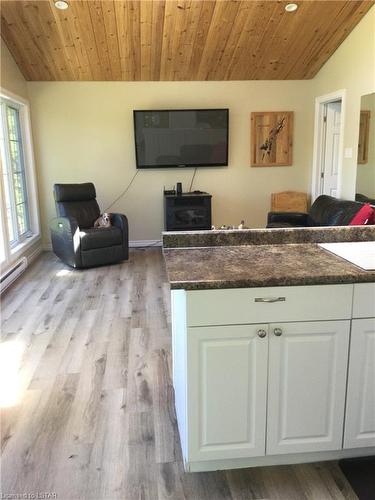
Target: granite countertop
327	234
258	266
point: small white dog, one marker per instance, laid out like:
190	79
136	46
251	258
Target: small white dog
103	221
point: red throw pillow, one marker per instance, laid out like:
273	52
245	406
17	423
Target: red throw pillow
365	215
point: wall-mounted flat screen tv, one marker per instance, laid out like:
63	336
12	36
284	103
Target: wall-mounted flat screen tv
181	138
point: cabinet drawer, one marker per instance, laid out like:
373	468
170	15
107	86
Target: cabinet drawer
364	300
264	305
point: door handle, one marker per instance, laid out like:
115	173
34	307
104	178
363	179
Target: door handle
270	299
277	332
262	333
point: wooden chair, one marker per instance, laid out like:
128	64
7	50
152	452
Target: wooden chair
289	201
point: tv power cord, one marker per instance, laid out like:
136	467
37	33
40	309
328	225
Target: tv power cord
123	193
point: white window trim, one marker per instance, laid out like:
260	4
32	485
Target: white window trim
15	253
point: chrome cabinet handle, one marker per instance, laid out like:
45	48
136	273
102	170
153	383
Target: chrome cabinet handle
269	299
262	333
277	332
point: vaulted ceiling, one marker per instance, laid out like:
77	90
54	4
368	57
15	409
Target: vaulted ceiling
176	39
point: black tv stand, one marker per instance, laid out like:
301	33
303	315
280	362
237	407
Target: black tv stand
187	211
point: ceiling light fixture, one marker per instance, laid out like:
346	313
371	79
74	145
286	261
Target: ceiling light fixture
291	7
61	4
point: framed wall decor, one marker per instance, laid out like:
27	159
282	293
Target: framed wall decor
271	139
364	136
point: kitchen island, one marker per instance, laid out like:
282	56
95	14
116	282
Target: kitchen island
273	349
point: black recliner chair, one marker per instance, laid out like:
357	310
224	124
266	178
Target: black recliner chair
325	211
74	238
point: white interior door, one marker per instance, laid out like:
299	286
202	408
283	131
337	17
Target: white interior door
331	145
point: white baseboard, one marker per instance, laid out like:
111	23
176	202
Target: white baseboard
132	244
33	255
144	243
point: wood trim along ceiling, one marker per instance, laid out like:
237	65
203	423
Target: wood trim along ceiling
175	39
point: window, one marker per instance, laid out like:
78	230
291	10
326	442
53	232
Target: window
14	175
18	207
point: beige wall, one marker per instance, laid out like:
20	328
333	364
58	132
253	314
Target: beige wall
11	77
352	67
366	171
12	80
84	132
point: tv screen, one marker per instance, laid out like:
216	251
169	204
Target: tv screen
181	138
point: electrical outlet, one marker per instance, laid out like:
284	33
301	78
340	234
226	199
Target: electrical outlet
348	153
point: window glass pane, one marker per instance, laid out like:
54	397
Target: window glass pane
15	155
12	118
19	192
21	218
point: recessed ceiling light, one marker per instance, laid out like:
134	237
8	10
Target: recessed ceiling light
291	7
61	4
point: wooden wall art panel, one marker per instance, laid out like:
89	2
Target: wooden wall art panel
271	139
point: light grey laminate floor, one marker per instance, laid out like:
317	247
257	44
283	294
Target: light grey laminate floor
88	409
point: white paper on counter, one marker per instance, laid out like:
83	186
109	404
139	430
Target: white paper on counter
360	253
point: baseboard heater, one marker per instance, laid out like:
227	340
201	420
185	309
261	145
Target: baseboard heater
12	274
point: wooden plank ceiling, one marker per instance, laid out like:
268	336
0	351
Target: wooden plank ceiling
176	39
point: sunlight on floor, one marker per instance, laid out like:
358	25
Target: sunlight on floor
63	272
10	360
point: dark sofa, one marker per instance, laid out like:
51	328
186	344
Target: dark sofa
364	199
75	240
325	211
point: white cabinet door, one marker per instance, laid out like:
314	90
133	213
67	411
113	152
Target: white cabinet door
364	300
360	403
227	388
307	382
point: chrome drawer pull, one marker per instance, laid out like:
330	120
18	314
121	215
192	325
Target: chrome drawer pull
269	299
